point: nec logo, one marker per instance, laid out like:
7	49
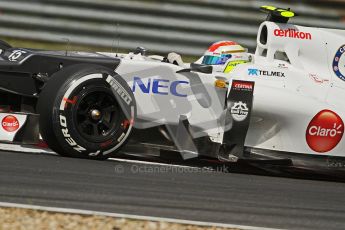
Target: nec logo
159	86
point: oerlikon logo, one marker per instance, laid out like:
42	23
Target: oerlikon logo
292	33
324	131
10	123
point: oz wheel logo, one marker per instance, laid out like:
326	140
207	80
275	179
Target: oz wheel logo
324	131
239	111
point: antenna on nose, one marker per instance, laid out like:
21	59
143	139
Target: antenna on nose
116	37
68	45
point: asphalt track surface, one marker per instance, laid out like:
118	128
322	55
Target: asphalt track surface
172	192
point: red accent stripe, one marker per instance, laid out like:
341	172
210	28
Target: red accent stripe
215	46
68	101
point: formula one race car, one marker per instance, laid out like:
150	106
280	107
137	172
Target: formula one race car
285	102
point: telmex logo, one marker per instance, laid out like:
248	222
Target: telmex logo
324	131
292	33
257	72
159	86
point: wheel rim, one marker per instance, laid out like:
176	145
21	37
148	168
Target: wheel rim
97	114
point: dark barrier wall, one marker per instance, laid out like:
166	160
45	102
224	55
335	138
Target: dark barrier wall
187	27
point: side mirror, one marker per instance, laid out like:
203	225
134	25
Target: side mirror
208	69
140	50
201	68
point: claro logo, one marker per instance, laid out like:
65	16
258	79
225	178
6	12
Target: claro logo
10	123
324	131
292	33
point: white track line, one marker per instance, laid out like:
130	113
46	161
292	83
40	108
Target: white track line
144	162
33	149
24	149
137	217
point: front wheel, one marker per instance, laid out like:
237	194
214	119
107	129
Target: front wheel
86	112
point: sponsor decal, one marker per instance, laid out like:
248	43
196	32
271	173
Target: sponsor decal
158	86
258	72
282	66
120	90
292	33
324	131
67	136
10	123
15	55
125	124
242	85
317	79
335	163
72	102
339	63
95	153
232	64
239	111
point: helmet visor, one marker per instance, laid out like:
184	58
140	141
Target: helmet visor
216	60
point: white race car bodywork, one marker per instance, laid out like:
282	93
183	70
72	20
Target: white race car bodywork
285	106
298	103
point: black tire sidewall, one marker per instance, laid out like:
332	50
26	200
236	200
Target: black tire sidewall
69	141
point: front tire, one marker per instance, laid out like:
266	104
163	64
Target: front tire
83	114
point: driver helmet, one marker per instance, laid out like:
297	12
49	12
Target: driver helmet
225	55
